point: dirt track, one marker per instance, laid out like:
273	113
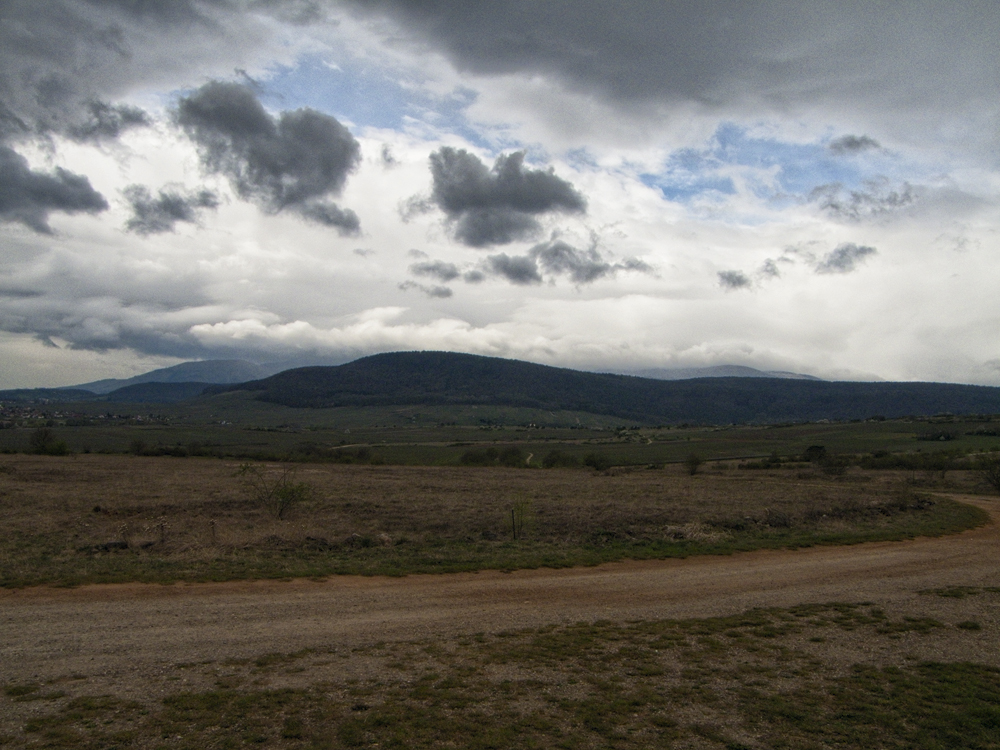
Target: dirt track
138	629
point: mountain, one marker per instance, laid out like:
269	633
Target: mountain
155	393
441	378
44	395
719	371
209	371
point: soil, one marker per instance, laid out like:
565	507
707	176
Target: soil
122	638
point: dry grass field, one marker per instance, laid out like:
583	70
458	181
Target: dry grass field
877	646
95	518
908	672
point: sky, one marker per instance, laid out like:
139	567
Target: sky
620	185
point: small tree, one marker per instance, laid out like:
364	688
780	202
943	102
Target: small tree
597	461
43	442
814	453
990	471
557	458
522	516
692	463
511	456
277	492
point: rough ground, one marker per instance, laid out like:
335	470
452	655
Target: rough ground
125	638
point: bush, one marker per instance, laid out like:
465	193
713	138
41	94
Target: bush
557	458
479	457
362	455
814	453
990	471
277	492
597	461
834	467
43	442
692	463
511	456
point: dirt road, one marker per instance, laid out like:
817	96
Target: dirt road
137	629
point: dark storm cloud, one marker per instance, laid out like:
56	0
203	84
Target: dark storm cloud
154	215
497	206
730	280
440	292
108	122
65	65
344	220
295	162
473	277
518	269
844	258
853	144
27	196
555	258
922	55
582	266
101	301
61	61
873	199
437	269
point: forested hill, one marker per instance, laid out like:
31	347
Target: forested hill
409	378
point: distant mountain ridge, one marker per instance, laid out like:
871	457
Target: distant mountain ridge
443	378
718	371
224	371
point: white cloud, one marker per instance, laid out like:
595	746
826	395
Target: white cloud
239	282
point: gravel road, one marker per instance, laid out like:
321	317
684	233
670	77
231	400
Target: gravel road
138	629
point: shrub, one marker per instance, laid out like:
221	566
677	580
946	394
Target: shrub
276	492
479	457
557	458
511	456
692	463
834	467
522	517
362	455
814	453
597	461
44	443
990	471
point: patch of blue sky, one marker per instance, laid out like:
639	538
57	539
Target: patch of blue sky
366	95
770	168
680	188
363	96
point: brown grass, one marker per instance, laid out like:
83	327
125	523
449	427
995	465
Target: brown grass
842	675
107	518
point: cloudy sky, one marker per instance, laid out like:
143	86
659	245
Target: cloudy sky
617	185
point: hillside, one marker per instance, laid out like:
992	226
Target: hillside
224	371
442	378
155	393
719	371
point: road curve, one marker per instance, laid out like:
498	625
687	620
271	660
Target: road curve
48	632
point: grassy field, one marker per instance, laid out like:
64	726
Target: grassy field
92	518
839	675
237	426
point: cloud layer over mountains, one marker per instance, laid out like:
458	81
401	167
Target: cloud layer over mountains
581	184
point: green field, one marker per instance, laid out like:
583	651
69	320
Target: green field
234	424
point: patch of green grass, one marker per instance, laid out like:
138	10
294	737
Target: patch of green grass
929	706
88	723
42	559
732	682
959	592
968	625
21	690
